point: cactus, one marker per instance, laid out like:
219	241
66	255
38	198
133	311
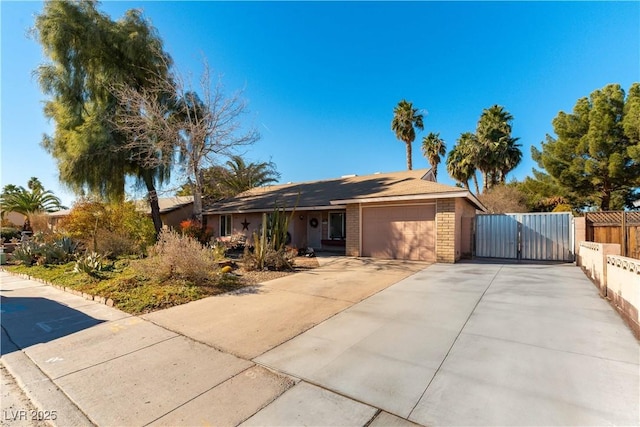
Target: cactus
269	247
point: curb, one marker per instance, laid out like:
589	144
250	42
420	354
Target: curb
102	300
52	403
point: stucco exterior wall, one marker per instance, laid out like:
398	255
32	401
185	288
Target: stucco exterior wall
580	233
623	288
592	257
254	220
14	218
465	213
175	217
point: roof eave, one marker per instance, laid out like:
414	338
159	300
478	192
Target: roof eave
258	210
430	196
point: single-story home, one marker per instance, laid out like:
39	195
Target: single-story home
401	215
173	210
14	218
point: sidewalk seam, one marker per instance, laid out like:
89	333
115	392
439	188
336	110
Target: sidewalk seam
351	304
116	357
551	349
455	340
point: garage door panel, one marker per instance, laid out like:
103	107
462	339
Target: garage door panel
400	232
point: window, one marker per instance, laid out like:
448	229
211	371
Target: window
225	225
336	225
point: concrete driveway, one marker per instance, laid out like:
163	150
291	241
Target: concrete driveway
472	344
255	320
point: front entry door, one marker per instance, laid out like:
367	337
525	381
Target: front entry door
314	231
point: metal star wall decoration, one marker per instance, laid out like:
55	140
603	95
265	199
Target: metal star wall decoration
245	224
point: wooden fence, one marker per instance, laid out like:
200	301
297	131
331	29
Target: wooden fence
622	228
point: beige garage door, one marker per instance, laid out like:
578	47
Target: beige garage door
399	232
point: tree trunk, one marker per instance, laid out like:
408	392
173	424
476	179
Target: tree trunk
606	200
475	181
152	195
485	181
196	189
409	156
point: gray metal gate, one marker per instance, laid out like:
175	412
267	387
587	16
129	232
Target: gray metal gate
530	236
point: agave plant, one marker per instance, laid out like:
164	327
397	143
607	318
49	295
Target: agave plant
90	263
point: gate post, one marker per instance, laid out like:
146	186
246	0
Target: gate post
519	239
624	234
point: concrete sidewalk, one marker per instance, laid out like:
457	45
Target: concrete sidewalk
90	363
475	344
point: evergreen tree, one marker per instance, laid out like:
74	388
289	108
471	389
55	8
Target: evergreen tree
594	156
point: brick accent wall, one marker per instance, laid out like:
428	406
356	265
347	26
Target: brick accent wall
446	230
353	230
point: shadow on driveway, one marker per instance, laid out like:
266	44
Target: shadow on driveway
28	321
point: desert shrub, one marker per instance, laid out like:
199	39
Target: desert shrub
40	251
116	243
504	199
8	233
194	228
177	256
219	251
113	229
7	223
39	222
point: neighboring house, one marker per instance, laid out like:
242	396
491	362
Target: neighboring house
15	218
173	210
402	215
56	217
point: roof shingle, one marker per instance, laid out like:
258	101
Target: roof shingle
322	193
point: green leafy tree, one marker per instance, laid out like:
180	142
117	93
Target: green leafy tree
111	228
433	148
592	158
461	161
88	54
28	201
405	121
631	122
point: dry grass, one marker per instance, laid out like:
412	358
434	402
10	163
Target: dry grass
137	294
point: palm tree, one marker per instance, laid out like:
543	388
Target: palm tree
511	157
241	176
233	178
405	120
461	160
498	153
433	147
28	202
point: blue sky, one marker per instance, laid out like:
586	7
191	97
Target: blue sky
322	78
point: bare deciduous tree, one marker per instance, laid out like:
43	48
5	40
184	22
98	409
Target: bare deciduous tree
168	124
